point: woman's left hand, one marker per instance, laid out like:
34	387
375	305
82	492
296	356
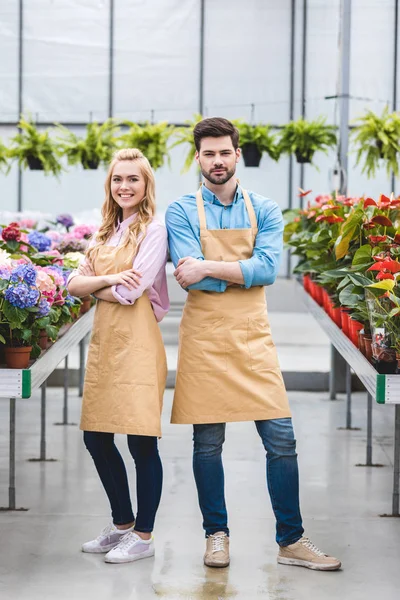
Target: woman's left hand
86	269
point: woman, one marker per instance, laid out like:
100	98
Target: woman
126	369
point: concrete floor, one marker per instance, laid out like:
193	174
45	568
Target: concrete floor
40	554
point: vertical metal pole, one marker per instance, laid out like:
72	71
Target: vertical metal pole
332	374
396	463
66	382
11	489
348	396
303	85
20	90
43	421
369	430
344	95
395	60
291	115
111	62
81	366
201	67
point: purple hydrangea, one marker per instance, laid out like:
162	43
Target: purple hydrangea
22	296
24	273
39	240
65	220
69	300
44	308
4	273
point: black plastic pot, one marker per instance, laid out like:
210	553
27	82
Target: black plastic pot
303	159
34	163
251	155
385	367
91	164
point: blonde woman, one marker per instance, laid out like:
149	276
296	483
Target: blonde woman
126	368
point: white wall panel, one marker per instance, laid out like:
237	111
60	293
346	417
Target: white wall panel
9	26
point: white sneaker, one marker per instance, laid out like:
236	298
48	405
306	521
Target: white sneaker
131	547
107	540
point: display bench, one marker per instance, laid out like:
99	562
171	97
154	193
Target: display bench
385	389
21	383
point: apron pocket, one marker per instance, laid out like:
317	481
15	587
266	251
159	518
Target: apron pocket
92	365
203	349
262	351
132	363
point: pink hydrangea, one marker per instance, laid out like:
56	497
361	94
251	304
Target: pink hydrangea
82	231
27	223
58	258
58	278
59	299
44	282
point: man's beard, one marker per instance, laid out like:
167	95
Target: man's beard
218	179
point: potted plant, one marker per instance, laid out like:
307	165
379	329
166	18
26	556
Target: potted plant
255	140
184	135
151	139
35	149
377	141
4	156
303	138
97	147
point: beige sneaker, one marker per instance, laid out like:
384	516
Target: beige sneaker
217	550
304	554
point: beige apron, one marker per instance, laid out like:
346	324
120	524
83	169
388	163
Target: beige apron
126	369
228	368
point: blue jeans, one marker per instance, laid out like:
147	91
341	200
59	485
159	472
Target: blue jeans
277	436
111	469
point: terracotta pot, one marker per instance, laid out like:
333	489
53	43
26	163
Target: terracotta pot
337	316
86	304
361	343
318	294
344	313
43	339
368	347
326	300
355	327
306	283
18	358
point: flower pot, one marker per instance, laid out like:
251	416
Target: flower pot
355	327
92	164
34	163
361	343
306	283
251	155
318	294
325	300
43	339
336	316
368	347
385	367
18	358
303	159
345	321
86	304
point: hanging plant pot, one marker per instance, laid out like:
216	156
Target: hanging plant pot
92	164
251	155
18	358
379	145
34	163
303	159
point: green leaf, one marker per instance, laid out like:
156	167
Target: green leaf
3	284
36	351
26	335
41	323
51	331
362	255
12	245
385	284
14	315
2	340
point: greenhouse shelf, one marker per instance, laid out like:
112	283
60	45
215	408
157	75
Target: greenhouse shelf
385	389
21	383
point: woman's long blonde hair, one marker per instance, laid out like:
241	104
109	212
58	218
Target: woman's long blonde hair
111	212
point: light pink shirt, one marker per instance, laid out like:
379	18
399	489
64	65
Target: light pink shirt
150	261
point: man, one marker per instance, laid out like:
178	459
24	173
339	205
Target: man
225	244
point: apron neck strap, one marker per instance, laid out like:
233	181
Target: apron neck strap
202	213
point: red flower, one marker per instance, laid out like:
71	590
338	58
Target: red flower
369	202
382	275
397	238
382	220
389	265
329	219
11	233
368	225
303	193
384	200
376	239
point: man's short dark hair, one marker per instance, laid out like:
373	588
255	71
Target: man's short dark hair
215	127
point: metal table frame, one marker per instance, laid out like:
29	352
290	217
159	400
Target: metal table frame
385	389
20	383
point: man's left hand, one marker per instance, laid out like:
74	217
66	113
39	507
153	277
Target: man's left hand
189	271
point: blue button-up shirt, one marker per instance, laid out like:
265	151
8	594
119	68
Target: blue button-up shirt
183	227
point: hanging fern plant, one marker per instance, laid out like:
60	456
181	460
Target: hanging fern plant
95	149
35	149
256	140
184	135
304	138
151	139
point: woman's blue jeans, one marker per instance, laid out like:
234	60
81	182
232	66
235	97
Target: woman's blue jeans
111	469
277	436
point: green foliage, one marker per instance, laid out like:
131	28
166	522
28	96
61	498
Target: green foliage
377	140
4	156
261	136
30	143
151	139
303	138
184	135
96	148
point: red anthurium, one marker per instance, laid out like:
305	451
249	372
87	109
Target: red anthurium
391	265
303	193
376	267
329	219
311	214
376	239
369	202
331	207
382	275
397	238
379	258
369	225
382	220
384	200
